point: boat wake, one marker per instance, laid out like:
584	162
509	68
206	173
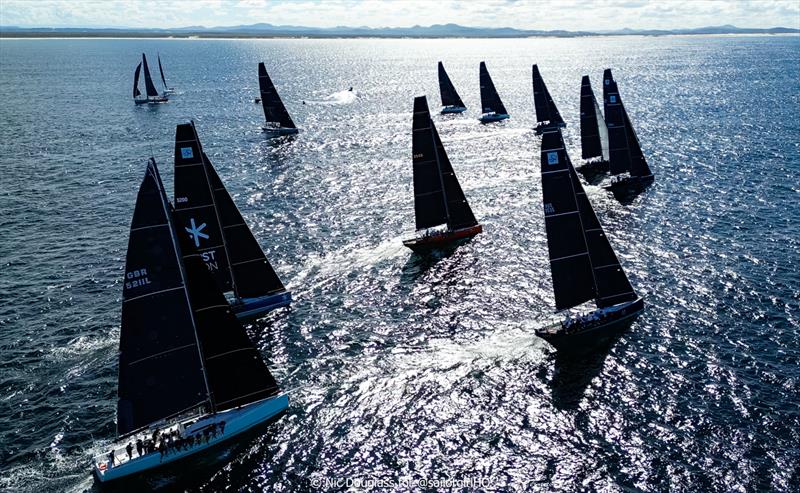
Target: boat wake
341	97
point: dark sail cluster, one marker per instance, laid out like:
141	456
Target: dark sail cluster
181	347
583	263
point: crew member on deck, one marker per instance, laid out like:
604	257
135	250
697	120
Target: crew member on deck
129	449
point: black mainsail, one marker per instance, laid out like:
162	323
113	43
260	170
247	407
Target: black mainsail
546	110
594	133
195	207
570	265
160	367
449	95
583	263
136	81
274	109
161	69
490	100
625	153
229	248
181	347
150	88
252	273
438	197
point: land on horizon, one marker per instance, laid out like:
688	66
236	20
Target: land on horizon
264	30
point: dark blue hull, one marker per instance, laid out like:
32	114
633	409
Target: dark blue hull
252	308
493	117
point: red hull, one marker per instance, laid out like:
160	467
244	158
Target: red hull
442	239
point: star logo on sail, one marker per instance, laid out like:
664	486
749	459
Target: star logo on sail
196	232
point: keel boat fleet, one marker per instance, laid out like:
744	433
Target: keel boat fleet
186	364
189	375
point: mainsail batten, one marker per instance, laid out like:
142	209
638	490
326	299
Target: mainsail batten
448	91
490	99
274	109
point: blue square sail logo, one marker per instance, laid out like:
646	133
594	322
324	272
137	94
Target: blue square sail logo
552	158
186	153
613	99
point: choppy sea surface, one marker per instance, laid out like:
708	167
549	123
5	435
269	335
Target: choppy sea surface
408	368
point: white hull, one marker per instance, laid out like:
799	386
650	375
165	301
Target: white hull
236	421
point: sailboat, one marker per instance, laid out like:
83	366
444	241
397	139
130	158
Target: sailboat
150	89
210	218
189	376
594	133
451	101
583	264
278	120
492	108
547	114
625	154
442	212
167	89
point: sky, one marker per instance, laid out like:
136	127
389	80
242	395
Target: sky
572	15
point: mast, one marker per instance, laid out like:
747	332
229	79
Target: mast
490	100
611	283
449	95
594	134
430	202
148	81
196	208
161	69
161	372
546	110
274	109
252	273
570	264
136	81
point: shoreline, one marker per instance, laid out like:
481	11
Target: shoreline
4	36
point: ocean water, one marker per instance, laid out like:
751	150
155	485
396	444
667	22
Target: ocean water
408	368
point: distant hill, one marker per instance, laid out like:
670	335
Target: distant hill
263	30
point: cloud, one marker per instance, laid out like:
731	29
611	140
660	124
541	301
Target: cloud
523	14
